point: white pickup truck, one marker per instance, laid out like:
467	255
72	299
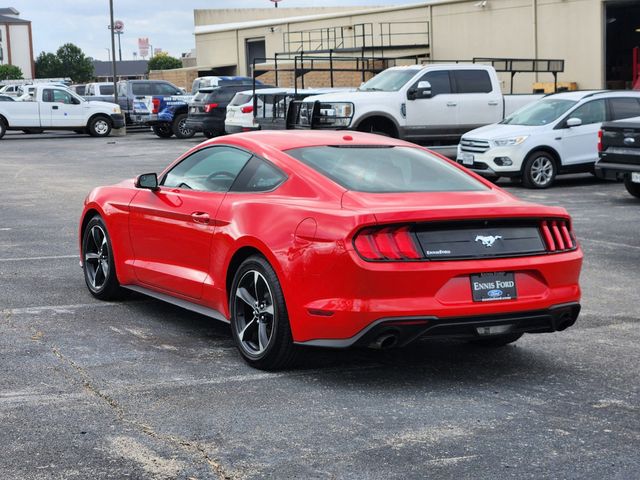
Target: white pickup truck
435	102
58	108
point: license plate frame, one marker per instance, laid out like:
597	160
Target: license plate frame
466	158
635	177
493	286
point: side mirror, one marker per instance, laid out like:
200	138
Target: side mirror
75	101
574	122
147	180
422	90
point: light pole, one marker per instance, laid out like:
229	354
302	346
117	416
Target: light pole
108	54
113	57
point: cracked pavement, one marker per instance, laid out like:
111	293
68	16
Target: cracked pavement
143	390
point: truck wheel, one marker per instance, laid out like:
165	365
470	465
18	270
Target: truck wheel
539	170
3	128
162	130
632	188
179	127
99	126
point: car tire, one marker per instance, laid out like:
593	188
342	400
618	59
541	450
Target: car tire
632	188
209	133
259	319
539	170
497	340
100	126
179	127
163	130
3	128
97	261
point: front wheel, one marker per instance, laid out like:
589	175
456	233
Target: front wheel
162	130
179	127
100	127
259	319
632	187
97	261
539	170
3	128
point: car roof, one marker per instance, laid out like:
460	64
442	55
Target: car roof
578	95
289	139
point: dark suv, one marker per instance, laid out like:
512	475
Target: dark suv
208	110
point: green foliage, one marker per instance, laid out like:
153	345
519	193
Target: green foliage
10	72
162	61
48	65
68	61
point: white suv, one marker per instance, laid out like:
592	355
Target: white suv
557	134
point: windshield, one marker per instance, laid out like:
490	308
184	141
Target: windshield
388	81
539	113
378	169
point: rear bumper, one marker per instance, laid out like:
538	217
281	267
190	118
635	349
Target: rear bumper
205	124
117	120
404	330
239	128
614	171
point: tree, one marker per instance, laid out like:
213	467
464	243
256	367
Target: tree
162	61
74	63
10	72
48	65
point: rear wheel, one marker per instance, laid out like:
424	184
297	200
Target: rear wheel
632	188
179	127
497	340
259	319
162	130
97	261
539	170
3	128
100	126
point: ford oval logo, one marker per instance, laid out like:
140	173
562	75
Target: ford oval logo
495	293
629	141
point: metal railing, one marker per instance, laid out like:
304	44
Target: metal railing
330	38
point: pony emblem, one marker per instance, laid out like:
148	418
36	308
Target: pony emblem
488	240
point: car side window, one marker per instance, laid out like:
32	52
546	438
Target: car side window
166	89
439	80
590	112
212	169
258	176
47	95
624	107
142	88
60	96
472	81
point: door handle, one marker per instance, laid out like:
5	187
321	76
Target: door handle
55	107
200	217
493	103
451	104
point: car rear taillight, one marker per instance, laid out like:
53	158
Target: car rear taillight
599	140
387	244
247	109
209	107
156	105
557	235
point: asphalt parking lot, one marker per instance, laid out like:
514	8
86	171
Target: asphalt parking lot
141	389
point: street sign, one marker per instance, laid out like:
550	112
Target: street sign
118	26
143	46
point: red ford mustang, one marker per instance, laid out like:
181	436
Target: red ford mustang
333	239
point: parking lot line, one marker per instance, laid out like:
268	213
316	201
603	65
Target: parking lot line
24	259
56	308
611	244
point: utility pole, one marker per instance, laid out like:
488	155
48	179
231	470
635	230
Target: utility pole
113	57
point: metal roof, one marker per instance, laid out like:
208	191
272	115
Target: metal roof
8	19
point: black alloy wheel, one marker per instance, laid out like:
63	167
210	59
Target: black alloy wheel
97	261
179	127
259	319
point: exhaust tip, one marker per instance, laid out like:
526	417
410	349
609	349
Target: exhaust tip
384	341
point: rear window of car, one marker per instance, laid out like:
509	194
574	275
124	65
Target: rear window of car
624	107
106	89
241	99
378	169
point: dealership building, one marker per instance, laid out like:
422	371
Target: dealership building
595	38
16	45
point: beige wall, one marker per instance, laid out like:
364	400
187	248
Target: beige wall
566	29
218	16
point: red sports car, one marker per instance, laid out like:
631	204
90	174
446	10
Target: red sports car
333	239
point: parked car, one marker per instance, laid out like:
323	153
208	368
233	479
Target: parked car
217	81
619	152
335	240
271	108
11	90
80	89
208	110
558	134
135	99
6	98
101	91
437	102
58	108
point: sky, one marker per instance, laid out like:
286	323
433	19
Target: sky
167	23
